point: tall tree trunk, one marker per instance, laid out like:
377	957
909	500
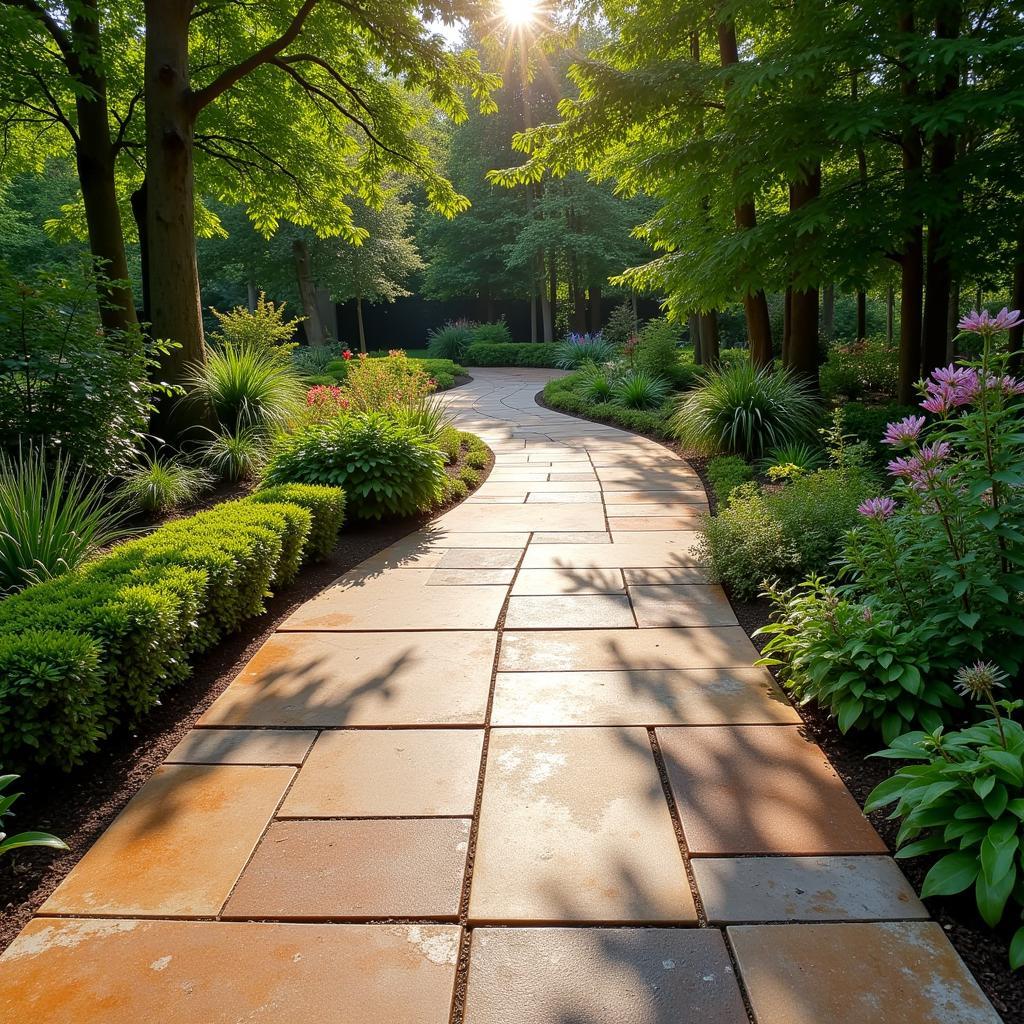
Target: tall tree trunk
803	339
547	314
359	323
553	294
579	309
693	321
709	346
94	159
596	319
140	215
1015	341
252	296
313	326
787	324
890	315
911	259
952	317
755	305
533	316
176	312
828	313
862	315
489	306
938	272
862	177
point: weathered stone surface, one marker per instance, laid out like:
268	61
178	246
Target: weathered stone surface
681	606
893	973
804	889
574	827
568	581
179	845
575	611
384	773
209	972
361	679
761	789
355	871
601	976
243	746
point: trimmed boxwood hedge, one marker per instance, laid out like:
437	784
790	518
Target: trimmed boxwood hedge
485	353
94	648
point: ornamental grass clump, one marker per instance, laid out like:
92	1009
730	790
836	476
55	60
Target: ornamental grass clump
578	349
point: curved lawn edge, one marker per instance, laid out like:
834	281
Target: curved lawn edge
80	805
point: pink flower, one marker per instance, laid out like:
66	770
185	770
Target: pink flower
877	508
1011	386
904	431
982	322
346	355
903	467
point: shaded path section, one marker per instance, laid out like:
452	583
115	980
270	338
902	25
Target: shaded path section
519	768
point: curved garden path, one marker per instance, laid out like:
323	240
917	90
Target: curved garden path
516	769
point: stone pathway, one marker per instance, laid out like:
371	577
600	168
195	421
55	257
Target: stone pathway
516	769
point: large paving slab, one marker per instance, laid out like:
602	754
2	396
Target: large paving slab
207	972
885	973
525	517
761	789
179	845
629	554
601	976
580	651
388	773
568	581
741	889
575	611
361	679
355	870
685	605
397	600
640	697
574	827
243	746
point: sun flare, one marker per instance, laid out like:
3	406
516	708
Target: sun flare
520	13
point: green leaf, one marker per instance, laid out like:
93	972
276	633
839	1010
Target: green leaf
952	874
991	897
32	839
1017	949
849	712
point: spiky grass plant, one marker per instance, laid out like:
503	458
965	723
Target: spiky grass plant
52	518
161	484
638	389
745	411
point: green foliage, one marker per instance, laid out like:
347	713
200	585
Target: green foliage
326	505
158	485
621	325
64	383
859	661
452	341
866	367
386	470
492	334
578	349
657	352
22	839
743	411
51	519
235	456
261	329
726	473
867	423
248	387
962	796
595	382
800	455
518	354
315	361
563	393
52	696
638	389
781	534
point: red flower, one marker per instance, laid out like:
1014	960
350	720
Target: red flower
346	355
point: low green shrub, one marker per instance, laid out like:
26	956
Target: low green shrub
864	367
726	473
861	662
962	796
562	393
53	699
782	534
638	389
386	470
492	334
516	354
657	350
158	485
868	423
326	505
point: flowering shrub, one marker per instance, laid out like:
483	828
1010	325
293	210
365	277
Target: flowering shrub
963	796
578	349
325	401
864	367
374	385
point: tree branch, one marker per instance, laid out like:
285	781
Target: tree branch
203	97
119	141
52	26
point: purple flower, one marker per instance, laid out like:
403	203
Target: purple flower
904	467
932	454
904	431
877	508
1011	386
949	388
982	322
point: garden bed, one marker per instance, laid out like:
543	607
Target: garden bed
80	805
982	949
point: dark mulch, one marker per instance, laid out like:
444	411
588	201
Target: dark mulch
79	806
983	949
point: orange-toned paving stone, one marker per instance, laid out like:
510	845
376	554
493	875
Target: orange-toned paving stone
453	787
